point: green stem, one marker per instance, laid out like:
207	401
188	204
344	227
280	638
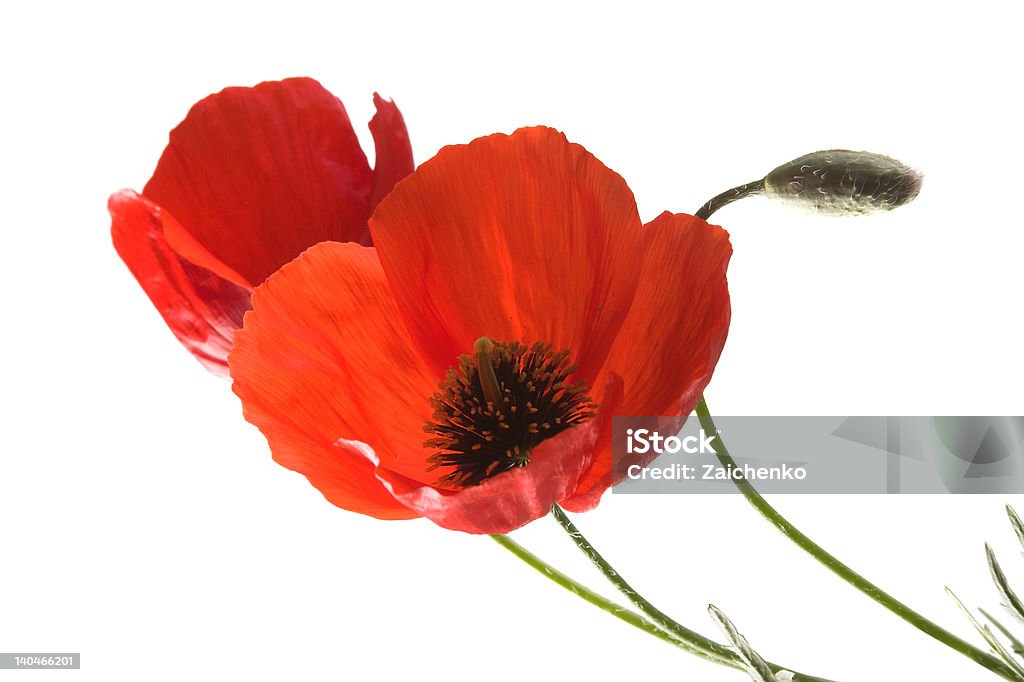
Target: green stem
805	543
842	570
607	605
646	608
749	189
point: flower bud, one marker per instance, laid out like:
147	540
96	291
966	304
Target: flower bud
840	182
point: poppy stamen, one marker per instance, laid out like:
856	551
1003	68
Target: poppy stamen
497	405
483	349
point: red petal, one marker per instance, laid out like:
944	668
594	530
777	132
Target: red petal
512	499
257	175
201	309
521	237
669	344
324	357
393	150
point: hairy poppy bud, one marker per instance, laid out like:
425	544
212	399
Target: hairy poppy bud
841	182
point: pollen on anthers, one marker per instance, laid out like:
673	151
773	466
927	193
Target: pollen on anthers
497	405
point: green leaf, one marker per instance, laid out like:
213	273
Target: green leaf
999	578
990	638
1018	647
1015	521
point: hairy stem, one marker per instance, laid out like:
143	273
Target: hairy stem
805	543
719	655
728	196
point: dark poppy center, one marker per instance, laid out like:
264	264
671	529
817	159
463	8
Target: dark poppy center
496	406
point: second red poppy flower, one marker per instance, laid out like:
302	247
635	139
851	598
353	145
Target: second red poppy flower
250	179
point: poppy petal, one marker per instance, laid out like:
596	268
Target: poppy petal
202	309
521	237
512	499
256	175
673	336
323	360
392	148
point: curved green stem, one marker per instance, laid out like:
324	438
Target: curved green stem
749	189
805	543
636	620
842	570
646	608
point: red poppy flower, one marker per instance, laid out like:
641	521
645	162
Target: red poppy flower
466	369
250	179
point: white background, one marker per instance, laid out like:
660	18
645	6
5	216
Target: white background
143	521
